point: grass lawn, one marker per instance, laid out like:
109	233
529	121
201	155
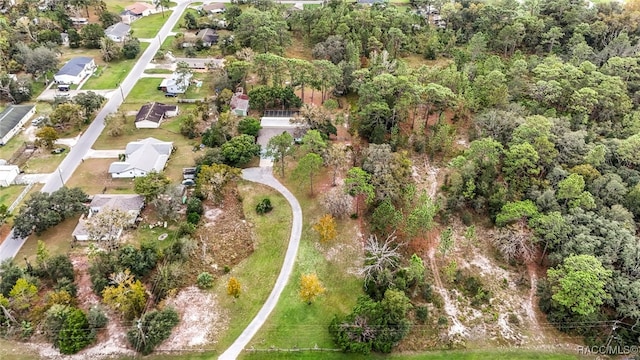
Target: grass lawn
12	145
501	354
294	323
57	238
146	90
179	25
13	350
44	161
258	273
10	193
92	177
158	71
298	49
112	74
148	26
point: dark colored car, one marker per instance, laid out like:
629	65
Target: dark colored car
169	94
58	150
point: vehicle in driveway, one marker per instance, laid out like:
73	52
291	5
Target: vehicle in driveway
39	121
170	94
58	150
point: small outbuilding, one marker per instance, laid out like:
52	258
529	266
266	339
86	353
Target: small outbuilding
8	174
12	119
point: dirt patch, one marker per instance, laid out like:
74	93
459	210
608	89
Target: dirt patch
196	327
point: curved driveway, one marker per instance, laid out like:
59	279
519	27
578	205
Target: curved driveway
263	175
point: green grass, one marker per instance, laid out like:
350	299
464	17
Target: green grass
158	71
179	25
258	273
294	323
44	161
92	177
58	240
12	145
146	90
501	354
112	74
10	193
148	26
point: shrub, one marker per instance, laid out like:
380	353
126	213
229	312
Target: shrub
96	318
194	205
422	313
185	228
204	280
264	206
250	126
330	104
153	328
67	327
193	218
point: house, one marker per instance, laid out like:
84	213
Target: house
151	115
240	103
118	32
208	37
214	8
77	21
135	11
176	84
8	174
142	157
201	63
371	2
12	119
128	203
75	70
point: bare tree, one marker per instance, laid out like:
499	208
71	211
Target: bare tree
337	202
515	243
336	157
107	225
168	203
380	256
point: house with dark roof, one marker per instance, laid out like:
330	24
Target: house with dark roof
12	119
75	70
151	115
118	32
208	37
135	11
239	103
142	157
130	204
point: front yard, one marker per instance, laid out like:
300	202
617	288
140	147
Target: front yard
148	26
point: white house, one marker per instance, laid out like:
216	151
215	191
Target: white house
128	203
176	84
142	157
12	119
75	70
8	174
150	116
118	32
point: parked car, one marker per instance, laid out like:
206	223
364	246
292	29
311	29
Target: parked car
40	120
170	94
58	150
188	182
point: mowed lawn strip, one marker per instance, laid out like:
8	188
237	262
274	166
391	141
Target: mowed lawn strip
148	26
257	274
498	354
111	75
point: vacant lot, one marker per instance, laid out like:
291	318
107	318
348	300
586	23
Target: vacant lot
111	75
58	240
148	26
92	177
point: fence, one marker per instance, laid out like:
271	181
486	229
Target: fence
281	113
20	197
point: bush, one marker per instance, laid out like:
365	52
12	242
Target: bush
153	328
193	218
96	318
264	206
185	228
194	205
250	126
68	329
330	104
422	313
204	280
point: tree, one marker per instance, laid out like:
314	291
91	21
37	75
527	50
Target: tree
240	150
128	296
162	4
358	184
109	49
152	329
91	35
131	49
151	185
168	204
279	147
326	228
189	125
233	287
68	328
212	179
310	287
578	284
47	137
107	226
380	256
39	60
67	114
309	166
385	218
43	211
90	103
22	294
336	157
339	204
420	219
312	142
250	126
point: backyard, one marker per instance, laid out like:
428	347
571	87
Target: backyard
110	75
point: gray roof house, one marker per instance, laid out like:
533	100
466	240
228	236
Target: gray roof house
208	37
202	63
118	32
75	70
213	8
12	119
129	203
142	157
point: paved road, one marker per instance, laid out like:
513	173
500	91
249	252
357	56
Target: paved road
263	175
11	245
